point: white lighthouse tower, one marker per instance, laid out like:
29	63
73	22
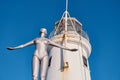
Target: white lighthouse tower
67	65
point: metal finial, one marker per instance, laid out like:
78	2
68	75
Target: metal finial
66	5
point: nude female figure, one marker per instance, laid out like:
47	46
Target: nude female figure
40	54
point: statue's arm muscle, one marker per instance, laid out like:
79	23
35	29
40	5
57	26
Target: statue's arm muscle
59	46
21	46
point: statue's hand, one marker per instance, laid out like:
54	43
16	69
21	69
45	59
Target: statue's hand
10	48
73	49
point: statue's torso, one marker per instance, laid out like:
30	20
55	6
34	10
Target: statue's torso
41	47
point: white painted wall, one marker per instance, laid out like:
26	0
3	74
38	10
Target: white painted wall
76	70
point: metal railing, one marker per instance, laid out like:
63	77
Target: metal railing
84	34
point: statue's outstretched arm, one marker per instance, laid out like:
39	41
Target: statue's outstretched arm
21	46
59	46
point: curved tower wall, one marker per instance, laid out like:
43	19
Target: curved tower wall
67	65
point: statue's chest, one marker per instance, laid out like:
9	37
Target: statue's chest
41	41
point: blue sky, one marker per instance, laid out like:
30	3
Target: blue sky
20	21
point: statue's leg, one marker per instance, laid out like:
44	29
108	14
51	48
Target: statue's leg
44	67
35	68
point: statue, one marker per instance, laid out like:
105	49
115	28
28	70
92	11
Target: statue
40	54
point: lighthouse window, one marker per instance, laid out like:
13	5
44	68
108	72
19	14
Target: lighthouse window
84	61
70	26
78	28
49	61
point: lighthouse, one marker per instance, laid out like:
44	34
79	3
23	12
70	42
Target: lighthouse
67	65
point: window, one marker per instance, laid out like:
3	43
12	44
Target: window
84	61
49	61
78	28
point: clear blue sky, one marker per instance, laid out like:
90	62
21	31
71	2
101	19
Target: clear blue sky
20	21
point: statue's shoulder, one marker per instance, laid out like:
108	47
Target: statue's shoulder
36	39
42	39
46	39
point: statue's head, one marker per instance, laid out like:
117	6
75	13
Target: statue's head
43	30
